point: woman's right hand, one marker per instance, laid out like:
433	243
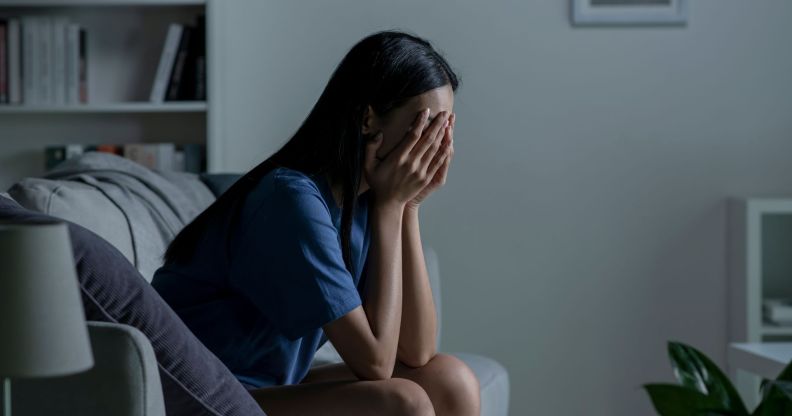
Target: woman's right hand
407	169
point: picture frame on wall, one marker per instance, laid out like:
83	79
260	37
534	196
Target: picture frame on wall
629	12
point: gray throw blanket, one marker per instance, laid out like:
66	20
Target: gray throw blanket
157	205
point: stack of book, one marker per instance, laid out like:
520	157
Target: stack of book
181	73
157	156
42	61
777	311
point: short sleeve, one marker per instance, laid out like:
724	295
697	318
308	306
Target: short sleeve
288	262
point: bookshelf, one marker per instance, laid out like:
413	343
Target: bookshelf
759	256
124	44
126	107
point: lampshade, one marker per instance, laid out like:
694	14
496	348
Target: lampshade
42	321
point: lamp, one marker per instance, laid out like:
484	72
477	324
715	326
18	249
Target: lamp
42	321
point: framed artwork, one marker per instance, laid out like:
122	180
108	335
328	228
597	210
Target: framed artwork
629	12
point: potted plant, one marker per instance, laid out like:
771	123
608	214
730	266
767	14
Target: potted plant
705	390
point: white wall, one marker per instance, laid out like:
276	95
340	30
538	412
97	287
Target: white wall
583	222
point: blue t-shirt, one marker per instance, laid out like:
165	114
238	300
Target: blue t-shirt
264	279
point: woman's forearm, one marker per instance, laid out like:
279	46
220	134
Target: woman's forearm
383	300
417	338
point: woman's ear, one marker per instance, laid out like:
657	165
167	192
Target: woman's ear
370	123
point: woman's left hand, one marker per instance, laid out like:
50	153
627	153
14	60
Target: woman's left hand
440	176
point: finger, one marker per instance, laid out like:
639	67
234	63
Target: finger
440	160
437	157
435	149
452	123
444	171
430	135
413	134
371	152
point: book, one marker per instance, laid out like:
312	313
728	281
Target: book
194	81
777	311
194	157
72	64
166	62
83	66
155	156
58	73
3	61
160	157
179	67
44	54
199	81
54	155
14	62
30	35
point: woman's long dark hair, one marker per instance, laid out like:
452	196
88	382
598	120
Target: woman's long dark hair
383	70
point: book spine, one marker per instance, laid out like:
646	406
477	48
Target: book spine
189	84
111	148
166	62
179	66
178	160
165	155
193	157
44	55
132	151
3	61
14	62
59	60
29	61
72	52
83	65
199	83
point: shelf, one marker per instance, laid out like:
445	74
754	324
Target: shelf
82	3
769	329
128	107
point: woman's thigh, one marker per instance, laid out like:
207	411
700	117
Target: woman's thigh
438	367
450	384
345	397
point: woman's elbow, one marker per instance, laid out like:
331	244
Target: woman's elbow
374	372
417	359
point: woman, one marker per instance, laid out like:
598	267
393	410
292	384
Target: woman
321	241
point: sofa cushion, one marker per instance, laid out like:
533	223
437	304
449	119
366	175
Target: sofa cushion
194	381
80	203
136	209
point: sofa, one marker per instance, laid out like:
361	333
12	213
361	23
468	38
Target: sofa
132	213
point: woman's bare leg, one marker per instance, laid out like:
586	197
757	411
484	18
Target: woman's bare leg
346	398
451	385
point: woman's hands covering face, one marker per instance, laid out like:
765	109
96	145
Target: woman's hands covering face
416	166
442	159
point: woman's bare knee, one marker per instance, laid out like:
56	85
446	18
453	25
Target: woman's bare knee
405	397
452	386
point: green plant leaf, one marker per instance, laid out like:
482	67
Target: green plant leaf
774	405
695	371
676	400
786	373
777	398
781	386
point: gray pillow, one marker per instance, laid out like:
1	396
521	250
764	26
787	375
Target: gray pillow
194	381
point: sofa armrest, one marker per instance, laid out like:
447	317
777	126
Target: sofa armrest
123	382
